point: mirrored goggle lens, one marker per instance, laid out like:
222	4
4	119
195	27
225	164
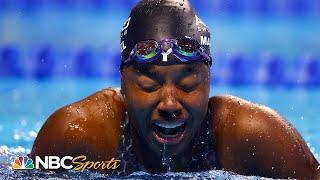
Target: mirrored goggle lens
185	53
188	46
147	49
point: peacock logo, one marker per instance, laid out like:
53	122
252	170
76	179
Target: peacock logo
22	163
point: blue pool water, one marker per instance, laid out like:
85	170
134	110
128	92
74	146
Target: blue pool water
26	104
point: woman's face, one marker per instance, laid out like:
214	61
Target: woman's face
166	103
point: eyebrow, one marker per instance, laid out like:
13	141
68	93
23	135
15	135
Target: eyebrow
145	69
190	69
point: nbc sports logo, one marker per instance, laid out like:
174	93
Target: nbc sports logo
78	163
22	163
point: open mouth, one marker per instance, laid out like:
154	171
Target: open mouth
168	132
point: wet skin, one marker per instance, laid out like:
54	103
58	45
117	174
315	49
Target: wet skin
250	139
166	95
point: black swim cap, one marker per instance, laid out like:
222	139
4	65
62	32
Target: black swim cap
162	19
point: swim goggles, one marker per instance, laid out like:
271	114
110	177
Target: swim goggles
185	49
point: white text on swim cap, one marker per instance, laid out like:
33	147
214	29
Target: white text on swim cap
124	32
126	24
199	21
205	40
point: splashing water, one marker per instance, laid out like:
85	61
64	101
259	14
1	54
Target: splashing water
166	159
9	154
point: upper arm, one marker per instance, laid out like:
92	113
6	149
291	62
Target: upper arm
89	127
255	140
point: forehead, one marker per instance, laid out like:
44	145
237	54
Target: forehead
174	68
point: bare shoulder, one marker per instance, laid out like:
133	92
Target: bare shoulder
253	139
88	127
243	114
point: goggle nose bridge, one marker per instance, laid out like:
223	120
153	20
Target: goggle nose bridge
166	51
164	43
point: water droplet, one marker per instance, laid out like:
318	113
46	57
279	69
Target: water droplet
166	159
281	157
181	3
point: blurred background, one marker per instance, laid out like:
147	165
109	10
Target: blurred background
54	52
260	42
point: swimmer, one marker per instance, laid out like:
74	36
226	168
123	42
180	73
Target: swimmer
162	119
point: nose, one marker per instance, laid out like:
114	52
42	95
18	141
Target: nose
169	107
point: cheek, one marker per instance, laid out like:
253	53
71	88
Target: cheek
138	100
197	102
135	99
139	106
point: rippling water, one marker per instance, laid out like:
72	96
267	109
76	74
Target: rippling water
7	155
